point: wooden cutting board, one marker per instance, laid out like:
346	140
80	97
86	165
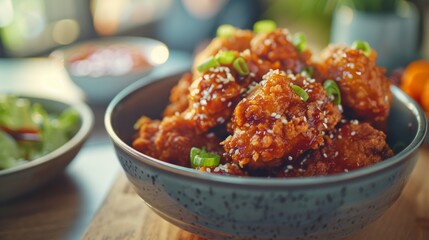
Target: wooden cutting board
124	215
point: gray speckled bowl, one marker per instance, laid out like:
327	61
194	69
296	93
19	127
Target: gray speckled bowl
222	207
25	178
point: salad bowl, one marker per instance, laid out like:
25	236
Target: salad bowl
21	179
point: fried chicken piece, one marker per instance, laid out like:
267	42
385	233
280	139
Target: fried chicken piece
212	98
365	90
353	145
240	41
145	138
276	49
273	123
172	139
179	96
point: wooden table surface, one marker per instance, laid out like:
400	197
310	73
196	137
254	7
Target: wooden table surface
125	216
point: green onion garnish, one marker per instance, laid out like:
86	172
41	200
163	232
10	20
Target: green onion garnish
332	89
264	26
363	46
299	41
241	66
225	57
209	63
301	92
225	31
201	158
308	71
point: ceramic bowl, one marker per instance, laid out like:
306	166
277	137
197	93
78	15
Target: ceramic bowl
25	178
102	83
225	207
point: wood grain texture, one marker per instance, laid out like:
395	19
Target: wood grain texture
125	216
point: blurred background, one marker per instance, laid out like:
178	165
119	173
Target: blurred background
31	28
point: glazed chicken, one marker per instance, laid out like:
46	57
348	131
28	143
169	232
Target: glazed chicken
351	146
364	86
252	107
273	123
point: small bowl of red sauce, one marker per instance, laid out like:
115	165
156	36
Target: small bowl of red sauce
103	67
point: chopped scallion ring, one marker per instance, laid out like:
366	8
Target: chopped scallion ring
201	158
225	57
241	66
209	63
332	90
264	26
225	31
299	41
363	46
301	92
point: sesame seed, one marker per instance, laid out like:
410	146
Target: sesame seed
284	121
354	122
324	155
270	131
236	152
290	167
336	154
346	170
326	126
353	133
273	114
229	104
340	137
290	158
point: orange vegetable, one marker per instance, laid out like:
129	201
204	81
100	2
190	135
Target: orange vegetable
415	79
425	97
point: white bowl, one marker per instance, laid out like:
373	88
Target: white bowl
102	88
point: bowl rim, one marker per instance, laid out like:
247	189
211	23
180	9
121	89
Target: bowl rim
87	119
310	182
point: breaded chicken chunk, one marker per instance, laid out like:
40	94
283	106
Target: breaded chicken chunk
354	145
277	50
179	96
365	90
172	139
274	123
239	41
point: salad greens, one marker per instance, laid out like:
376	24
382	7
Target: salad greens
28	131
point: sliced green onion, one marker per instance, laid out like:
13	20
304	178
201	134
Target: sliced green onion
201	158
225	57
308	71
301	92
332	89
209	63
225	31
363	46
264	26
299	41
241	66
